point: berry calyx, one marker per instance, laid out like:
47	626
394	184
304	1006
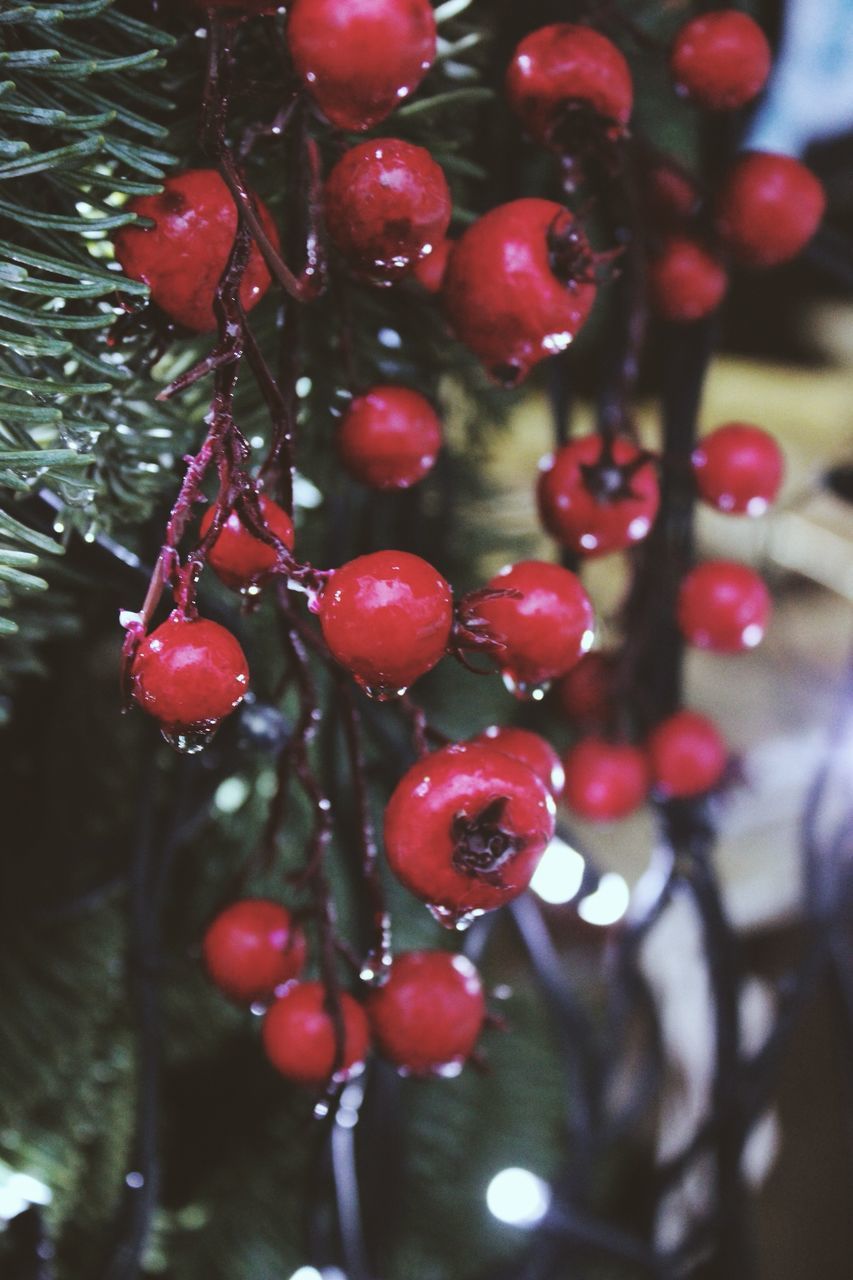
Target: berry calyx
465	828
386	617
720	60
687	755
359	59
598	495
531	749
738	469
723	606
389	438
605	780
686	282
387	204
542	625
252	948
768	209
238	557
299	1035
183	256
430	271
565	80
427	1017
189	674
586	693
519	286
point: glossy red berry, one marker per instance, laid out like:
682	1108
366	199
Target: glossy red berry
387	206
596	497
299	1035
237	557
563	75
769	208
720	60
723	606
189	675
544	623
430	271
687	755
387	618
427	1017
359	59
738	469
605	780
686	282
519	286
253	947
182	257
531	749
465	829
389	438
585	694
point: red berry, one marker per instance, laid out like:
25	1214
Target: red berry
430	271
560	70
738	469
189	675
182	257
465	829
237	557
387	206
387	618
518	286
671	195
685	281
605	780
687	755
360	58
720	60
430	1012
769	208
531	749
389	438
299	1035
544	628
252	947
594	498
585	694
723	606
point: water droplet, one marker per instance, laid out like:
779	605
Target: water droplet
380	692
525	690
189	739
450	919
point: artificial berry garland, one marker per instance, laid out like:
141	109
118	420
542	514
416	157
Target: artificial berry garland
468	823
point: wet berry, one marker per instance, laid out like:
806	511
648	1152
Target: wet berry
768	209
387	206
183	256
253	947
531	749
687	755
723	606
386	617
389	438
738	469
237	557
605	780
299	1035
428	1016
720	60
596	497
465	829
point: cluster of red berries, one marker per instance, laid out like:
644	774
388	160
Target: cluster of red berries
426	1017
467	824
